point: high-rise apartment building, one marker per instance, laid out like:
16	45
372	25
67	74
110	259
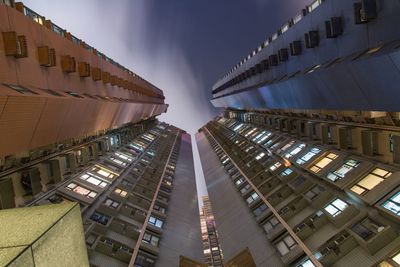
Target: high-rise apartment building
302	167
76	126
212	250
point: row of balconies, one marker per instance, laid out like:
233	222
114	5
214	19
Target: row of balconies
294	198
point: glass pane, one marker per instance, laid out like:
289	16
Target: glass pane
331	209
340	204
358	190
370	181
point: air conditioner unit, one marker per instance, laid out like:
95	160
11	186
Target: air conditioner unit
47	56
96	74
295	48
68	64
84	69
15	45
273	60
283	54
312	39
365	11
334	27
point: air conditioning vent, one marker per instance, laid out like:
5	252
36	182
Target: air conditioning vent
106	77
295	48
15	45
68	64
283	54
312	39
84	69
96	74
47	56
334	27
365	11
273	60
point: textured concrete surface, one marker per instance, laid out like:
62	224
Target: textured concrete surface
50	235
236	226
182	235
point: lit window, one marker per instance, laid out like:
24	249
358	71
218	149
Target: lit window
253	197
88	178
336	207
287	172
275	166
317	167
286	245
238	127
265	136
370	181
239	181
81	190
285	147
260	156
341	172
295	151
314	151
156	222
393	204
120	192
119	162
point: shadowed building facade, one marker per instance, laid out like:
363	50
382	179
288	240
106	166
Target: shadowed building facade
78	127
302	167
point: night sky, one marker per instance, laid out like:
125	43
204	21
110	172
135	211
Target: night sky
181	46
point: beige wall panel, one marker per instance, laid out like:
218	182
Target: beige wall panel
18	122
50	122
73	120
3	101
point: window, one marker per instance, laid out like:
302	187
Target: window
393	259
74	94
253	197
258	211
81	190
367	228
159	208
317	167
265	136
260	156
90	179
370	181
287	172
314	192
336	207
120	192
286	245
123	156
295	151
271	224
285	147
111	203
393	204
239	181
306	263
151	239
245	189
156	222
100	218
20	89
275	166
119	162
314	151
341	172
